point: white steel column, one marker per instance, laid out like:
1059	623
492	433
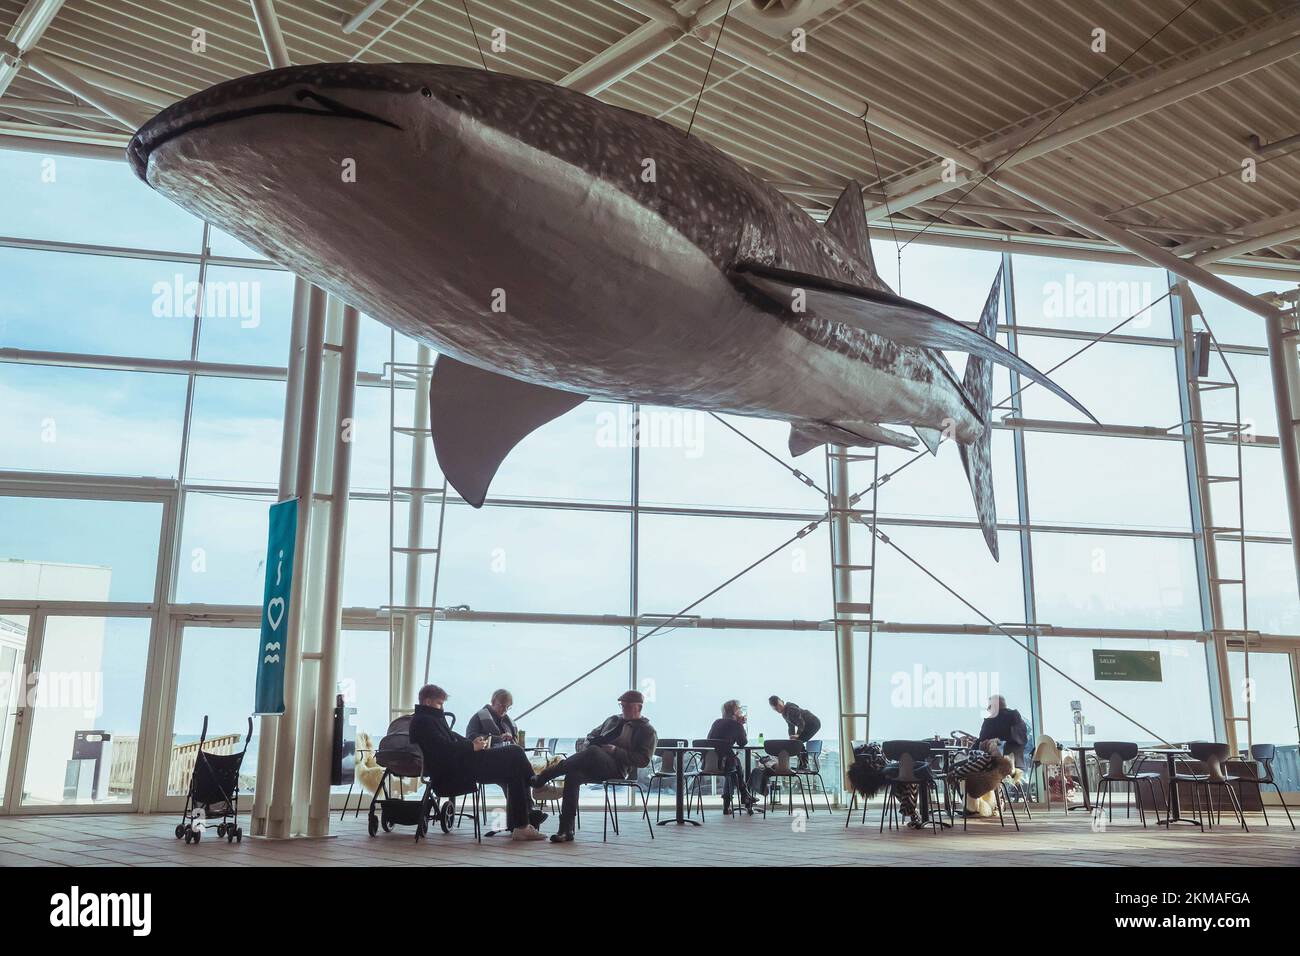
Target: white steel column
407	674
266	746
332	595
1283	338
279	822
842	595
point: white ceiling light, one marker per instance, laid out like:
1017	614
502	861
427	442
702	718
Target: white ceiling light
777	18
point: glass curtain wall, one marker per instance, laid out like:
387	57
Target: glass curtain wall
142	373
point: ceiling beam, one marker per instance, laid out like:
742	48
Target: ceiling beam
1252	243
127	113
1108	110
268	25
1149	251
23	36
352	23
758	59
638	48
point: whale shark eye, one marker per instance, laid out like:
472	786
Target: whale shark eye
425	91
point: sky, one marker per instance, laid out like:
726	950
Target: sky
513	559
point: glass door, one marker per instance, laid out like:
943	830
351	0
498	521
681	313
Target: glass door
79	736
15	629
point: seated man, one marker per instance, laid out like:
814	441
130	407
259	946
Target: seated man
730	727
492	720
459	764
624	742
802	724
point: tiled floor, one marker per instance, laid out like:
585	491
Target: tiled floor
1049	839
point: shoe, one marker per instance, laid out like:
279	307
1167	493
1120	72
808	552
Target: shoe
536	818
726	808
563	836
526	834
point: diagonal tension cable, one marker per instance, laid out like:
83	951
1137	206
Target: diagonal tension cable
709	69
802	532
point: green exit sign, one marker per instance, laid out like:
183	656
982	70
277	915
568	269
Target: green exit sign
1126	665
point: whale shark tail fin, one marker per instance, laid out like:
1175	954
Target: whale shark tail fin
476	417
977	457
848	224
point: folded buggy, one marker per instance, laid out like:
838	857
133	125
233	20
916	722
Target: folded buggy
214	793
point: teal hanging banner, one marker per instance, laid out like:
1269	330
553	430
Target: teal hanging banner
282	534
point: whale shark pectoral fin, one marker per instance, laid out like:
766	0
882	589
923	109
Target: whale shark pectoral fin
805	436
476	417
930	437
881	313
804	440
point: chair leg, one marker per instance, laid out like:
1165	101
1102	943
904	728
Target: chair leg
1236	805
604	834
1262	809
645	810
1283	801
1011	806
853	804
803	796
884	807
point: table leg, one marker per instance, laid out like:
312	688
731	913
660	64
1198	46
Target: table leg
1082	764
1175	808
680	780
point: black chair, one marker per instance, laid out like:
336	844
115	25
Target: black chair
813	771
783	750
1263	755
1212	756
1001	798
611	808
1112	755
913	758
667	767
714	765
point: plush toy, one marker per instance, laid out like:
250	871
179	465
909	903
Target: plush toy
981	783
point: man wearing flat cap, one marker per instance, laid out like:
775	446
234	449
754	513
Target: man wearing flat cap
622	744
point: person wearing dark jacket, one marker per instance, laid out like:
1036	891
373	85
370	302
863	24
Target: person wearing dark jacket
457	764
621	744
493	721
802	724
730	727
1008	727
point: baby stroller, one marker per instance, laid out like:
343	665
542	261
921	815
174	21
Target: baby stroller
214	792
402	757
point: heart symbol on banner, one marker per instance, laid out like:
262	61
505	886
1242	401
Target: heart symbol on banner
272	607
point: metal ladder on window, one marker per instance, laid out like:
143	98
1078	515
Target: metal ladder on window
415	495
1199	347
852	579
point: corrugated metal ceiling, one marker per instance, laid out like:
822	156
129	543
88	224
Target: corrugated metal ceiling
969	71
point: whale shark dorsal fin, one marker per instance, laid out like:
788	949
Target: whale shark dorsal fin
848	223
476	417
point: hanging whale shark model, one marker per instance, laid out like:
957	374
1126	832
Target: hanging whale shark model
551	247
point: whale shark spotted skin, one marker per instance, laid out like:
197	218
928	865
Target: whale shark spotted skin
555	247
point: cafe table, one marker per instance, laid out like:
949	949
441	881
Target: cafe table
680	818
1081	764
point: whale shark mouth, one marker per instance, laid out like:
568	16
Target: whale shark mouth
164	128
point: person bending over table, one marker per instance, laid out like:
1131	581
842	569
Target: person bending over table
1005	724
802	724
492	721
731	728
460	764
622	743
